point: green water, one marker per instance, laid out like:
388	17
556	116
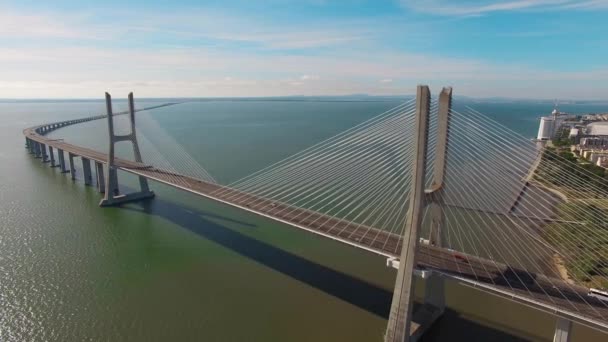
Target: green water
181	268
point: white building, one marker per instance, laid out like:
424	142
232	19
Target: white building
573	133
597	128
545	130
549	125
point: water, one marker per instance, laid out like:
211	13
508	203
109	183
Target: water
183	268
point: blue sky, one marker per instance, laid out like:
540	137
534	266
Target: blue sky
513	48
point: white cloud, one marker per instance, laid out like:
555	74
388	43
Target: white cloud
474	8
309	77
87	72
293	40
45	65
51	26
195	24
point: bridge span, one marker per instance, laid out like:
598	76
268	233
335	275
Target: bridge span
540	291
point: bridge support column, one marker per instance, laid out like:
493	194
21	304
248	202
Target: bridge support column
400	316
435	287
112	196
435	194
52	156
86	170
32	147
27	143
38	150
72	166
45	157
61	161
434	292
101	184
112	183
562	330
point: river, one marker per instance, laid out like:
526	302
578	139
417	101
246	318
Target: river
186	269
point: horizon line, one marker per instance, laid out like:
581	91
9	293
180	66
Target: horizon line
8	99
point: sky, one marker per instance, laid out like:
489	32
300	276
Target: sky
486	48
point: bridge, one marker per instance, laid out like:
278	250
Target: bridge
485	200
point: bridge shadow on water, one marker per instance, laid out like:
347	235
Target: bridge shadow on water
355	291
348	288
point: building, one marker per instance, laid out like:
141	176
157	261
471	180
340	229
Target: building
597	128
594	142
573	133
545	130
550	124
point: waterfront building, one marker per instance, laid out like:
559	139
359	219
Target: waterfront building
550	124
545	131
594	142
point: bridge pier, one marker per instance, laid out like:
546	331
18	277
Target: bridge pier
101	185
52	155
435	287
400	316
61	161
86	170
434	293
72	166
32	147
112	184
27	143
45	156
112	196
37	150
562	330
400	326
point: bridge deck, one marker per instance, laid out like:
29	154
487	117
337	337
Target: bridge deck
548	294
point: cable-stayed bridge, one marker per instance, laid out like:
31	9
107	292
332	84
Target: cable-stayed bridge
441	193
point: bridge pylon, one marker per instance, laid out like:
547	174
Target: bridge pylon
399	328
112	194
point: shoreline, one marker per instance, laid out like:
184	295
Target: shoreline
558	262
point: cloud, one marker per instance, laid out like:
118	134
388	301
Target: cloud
304	39
204	53
210	25
87	72
309	77
49	26
23	25
475	8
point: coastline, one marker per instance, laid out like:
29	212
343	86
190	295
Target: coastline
558	262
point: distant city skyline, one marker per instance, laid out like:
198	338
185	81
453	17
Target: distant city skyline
519	49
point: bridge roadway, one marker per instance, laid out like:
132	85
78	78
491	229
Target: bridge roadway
539	291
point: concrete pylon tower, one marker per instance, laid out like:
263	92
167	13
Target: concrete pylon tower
434	294
400	319
435	193
400	316
112	194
